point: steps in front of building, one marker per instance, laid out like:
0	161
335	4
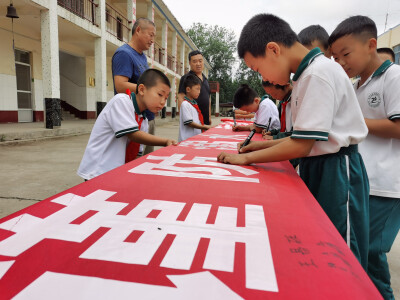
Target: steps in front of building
66	116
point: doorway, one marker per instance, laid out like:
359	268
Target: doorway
24	88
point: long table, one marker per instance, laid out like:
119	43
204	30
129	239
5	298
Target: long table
176	224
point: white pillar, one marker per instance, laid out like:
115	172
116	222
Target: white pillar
217	104
131	9
183	57
100	54
174	50
165	41
150	16
50	65
173	93
50	51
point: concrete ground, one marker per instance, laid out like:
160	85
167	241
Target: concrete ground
34	170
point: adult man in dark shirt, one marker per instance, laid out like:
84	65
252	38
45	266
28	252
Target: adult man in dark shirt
130	61
196	62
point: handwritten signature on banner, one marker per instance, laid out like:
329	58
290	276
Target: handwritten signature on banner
328	253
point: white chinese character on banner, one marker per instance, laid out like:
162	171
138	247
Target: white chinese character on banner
209	167
115	246
219	145
237	137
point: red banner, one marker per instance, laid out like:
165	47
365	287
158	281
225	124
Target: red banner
176	224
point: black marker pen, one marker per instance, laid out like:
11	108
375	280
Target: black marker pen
234	118
269	123
247	140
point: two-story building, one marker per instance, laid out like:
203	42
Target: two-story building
391	39
62	50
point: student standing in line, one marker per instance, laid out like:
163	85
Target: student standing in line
327	126
353	44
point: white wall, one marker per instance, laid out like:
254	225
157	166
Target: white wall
37	95
8	95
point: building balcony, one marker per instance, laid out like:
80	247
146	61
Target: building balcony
86	9
117	24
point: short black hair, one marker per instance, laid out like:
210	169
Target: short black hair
151	77
387	51
360	26
244	95
193	53
141	22
269	84
190	81
314	33
261	30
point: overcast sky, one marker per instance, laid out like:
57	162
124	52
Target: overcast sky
234	14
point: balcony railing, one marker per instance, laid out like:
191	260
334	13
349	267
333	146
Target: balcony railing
85	9
170	62
159	53
117	24
179	68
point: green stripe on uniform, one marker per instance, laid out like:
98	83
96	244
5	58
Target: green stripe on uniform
396	116
261	126
121	133
310	135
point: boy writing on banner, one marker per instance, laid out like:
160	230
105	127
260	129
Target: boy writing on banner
327	126
265	110
283	94
119	123
191	120
353	44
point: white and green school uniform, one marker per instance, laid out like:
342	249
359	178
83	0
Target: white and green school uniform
187	115
106	148
325	108
379	98
267	109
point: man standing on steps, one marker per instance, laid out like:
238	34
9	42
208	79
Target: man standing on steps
130	61
196	62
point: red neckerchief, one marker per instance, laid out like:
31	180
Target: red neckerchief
132	148
194	104
283	114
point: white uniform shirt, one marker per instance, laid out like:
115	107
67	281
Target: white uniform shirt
107	143
379	98
187	115
267	109
324	106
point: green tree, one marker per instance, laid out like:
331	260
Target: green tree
218	46
250	77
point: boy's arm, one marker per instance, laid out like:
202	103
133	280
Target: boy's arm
199	126
384	128
243	128
284	150
258	145
258	129
144	138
